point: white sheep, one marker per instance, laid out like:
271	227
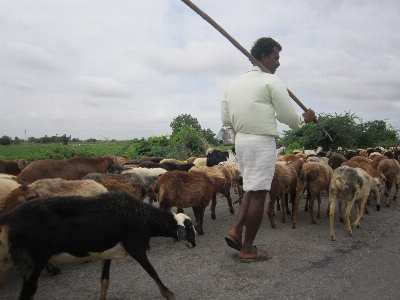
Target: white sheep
200	161
145	171
7	184
49	187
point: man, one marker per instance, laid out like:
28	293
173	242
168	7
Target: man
253	104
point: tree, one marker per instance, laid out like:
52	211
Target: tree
5	140
64	139
208	135
376	133
184	119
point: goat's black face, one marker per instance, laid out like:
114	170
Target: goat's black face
186	232
190	232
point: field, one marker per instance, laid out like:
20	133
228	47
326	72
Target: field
35	151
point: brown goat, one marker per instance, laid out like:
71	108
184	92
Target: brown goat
130	183
222	172
391	169
280	187
151	158
283	185
377	160
12	167
314	177
291	157
187	189
71	169
122	159
336	159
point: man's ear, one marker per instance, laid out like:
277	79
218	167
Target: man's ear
264	56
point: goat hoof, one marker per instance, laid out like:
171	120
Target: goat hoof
378	207
167	294
56	271
199	231
232	211
213	217
387	205
333	238
53	269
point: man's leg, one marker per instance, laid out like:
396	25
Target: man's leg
237	229
254	216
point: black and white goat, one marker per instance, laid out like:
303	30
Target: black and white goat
76	229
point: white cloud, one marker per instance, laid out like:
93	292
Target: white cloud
125	69
101	87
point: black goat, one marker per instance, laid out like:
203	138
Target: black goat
214	157
77	229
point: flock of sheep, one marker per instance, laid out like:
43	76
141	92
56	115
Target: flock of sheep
94	208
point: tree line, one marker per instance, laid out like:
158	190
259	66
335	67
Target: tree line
188	138
347	131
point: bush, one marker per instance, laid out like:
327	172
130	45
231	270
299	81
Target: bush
188	142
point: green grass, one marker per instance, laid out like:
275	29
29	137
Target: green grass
35	151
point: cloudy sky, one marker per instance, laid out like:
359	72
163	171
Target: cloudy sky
124	69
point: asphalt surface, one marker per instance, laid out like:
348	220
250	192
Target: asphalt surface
306	264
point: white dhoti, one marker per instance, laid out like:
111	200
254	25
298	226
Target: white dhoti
256	155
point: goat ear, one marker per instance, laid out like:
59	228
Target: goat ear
182	233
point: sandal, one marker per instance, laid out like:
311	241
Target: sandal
233	243
261	255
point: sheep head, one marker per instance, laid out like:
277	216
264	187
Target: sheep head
186	233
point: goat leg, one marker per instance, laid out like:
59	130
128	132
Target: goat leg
105	277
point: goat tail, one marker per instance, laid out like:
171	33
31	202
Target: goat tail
339	183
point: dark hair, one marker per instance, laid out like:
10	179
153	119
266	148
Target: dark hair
264	45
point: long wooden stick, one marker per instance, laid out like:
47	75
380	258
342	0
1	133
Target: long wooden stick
236	44
245	52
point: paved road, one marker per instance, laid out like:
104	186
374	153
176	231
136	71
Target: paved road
305	264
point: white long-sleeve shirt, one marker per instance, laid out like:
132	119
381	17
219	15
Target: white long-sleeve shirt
254	102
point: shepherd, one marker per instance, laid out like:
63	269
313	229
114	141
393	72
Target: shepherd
253	104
